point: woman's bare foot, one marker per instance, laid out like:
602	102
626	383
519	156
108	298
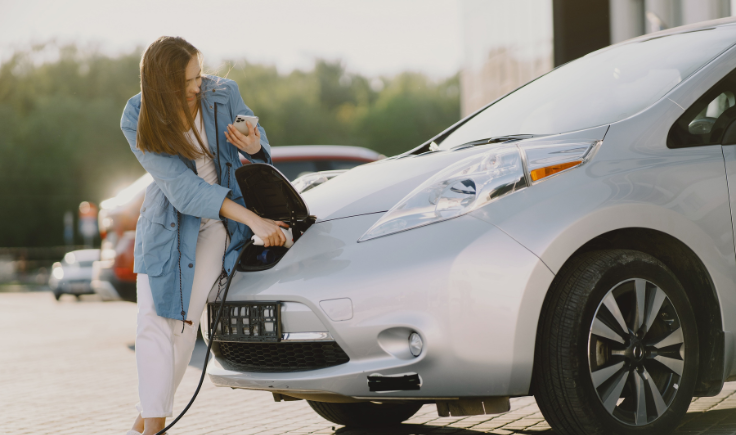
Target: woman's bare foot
154	425
138	425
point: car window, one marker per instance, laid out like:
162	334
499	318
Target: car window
601	88
705	121
344	164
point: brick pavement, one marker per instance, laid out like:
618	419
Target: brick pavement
68	368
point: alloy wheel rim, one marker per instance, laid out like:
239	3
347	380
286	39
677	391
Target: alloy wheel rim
636	352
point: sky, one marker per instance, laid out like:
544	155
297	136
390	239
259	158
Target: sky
371	37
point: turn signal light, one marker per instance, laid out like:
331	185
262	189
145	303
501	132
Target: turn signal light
540	173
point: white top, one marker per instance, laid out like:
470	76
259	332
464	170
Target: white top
205	164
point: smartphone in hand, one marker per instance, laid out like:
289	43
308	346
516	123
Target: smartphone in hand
240	124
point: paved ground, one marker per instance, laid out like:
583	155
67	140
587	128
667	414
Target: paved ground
68	368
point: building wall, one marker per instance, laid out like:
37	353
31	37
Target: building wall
627	19
510	42
507	43
580	27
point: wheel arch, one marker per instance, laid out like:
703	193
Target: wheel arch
697	282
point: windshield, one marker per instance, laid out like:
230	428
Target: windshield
603	87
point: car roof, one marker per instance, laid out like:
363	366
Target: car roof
298	152
686	28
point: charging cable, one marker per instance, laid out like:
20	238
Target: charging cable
211	339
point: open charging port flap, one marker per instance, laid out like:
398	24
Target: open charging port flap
269	194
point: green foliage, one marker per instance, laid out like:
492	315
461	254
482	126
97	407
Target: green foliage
409	111
60	140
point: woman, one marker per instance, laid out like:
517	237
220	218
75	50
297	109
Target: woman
193	219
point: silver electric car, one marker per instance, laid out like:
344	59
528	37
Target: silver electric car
572	240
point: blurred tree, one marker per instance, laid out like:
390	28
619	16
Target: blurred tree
60	139
410	110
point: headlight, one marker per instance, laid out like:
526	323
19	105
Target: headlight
455	191
57	271
478	180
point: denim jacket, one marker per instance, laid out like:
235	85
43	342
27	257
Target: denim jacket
168	227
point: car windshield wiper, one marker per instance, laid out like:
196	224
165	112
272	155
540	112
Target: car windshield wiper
433	147
496	139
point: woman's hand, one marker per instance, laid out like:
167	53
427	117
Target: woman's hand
269	231
250	144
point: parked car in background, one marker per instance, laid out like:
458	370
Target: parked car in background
311	180
73	274
113	277
294	161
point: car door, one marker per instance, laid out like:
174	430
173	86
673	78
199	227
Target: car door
710	121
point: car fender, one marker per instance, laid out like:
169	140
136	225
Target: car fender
682	193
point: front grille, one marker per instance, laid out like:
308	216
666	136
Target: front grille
246	321
282	356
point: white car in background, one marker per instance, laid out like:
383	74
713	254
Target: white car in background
73	274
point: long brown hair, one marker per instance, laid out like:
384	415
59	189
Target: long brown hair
161	127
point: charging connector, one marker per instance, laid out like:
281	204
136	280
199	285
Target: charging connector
257	241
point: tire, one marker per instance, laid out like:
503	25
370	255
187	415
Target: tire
585	363
366	414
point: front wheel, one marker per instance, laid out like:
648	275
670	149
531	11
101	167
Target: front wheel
616	348
366	414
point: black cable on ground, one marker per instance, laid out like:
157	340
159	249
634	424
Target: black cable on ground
211	340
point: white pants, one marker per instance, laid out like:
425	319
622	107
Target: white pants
162	350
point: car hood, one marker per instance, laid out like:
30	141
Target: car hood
378	186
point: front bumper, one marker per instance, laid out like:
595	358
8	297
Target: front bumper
469	290
74	287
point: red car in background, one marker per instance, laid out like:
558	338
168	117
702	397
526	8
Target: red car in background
113	277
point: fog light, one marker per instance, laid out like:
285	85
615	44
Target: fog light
415	344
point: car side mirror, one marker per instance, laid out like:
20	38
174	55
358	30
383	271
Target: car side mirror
701	126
